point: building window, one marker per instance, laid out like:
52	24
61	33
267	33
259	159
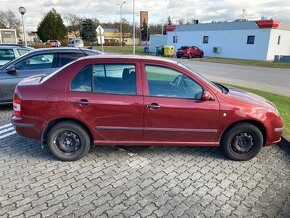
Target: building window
251	40
279	38
205	39
174	39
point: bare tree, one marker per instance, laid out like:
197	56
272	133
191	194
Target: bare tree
8	20
74	23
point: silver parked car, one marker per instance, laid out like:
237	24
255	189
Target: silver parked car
10	52
76	43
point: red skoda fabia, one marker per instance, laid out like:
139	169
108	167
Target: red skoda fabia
131	100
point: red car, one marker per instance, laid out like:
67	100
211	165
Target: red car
131	100
189	52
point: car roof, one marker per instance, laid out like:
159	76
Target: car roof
132	57
43	50
15	46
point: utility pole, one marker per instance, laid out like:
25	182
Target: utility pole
244	11
121	22
134	27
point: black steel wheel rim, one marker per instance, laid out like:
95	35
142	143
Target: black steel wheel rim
68	142
242	143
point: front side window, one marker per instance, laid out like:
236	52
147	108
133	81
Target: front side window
251	40
82	82
22	51
6	54
114	78
166	82
43	61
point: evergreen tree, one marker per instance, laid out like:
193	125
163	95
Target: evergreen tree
144	31
51	27
88	30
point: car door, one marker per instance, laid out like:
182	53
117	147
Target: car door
29	66
174	111
106	96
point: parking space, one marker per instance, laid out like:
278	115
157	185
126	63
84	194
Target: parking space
141	181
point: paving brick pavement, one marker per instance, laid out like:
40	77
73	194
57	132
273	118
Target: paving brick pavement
142	182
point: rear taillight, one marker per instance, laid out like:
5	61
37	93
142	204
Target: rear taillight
17	106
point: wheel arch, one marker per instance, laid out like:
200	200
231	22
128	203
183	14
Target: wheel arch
258	124
54	122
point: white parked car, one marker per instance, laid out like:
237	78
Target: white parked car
10	52
76	43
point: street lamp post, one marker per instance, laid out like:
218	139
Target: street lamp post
134	27
121	21
22	11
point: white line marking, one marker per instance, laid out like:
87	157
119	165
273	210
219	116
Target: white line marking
8	134
6	130
7	125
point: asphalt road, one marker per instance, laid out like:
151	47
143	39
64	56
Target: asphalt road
274	80
140	181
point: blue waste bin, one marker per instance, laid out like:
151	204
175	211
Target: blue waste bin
146	49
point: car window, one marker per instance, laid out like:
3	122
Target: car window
114	78
66	58
166	82
7	54
22	51
82	82
42	61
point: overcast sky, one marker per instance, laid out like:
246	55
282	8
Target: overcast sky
108	10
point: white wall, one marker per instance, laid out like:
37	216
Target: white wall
233	43
157	40
283	48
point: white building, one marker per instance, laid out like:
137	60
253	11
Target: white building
256	40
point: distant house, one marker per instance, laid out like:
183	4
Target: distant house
256	40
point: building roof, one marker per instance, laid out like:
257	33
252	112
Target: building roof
238	25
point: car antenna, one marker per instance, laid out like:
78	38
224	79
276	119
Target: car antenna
83	51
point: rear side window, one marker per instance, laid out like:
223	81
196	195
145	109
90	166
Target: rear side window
22	51
66	58
106	78
83	80
114	78
7	54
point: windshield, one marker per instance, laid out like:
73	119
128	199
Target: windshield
218	87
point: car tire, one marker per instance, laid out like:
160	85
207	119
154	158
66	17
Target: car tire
189	56
201	55
68	141
178	56
242	142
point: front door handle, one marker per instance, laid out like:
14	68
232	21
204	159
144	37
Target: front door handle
153	106
83	102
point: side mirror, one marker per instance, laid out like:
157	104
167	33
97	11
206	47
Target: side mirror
206	96
11	70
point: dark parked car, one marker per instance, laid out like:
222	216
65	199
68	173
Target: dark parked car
11	52
38	61
140	101
189	52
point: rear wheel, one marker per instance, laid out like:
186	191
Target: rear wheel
189	56
242	142
201	55
68	141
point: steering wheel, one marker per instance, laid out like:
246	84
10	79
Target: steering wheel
178	82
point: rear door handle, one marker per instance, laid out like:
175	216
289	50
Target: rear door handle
153	106
83	102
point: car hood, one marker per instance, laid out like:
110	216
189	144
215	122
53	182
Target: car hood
251	98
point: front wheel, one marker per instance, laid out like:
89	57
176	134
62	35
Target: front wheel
68	141
242	142
201	55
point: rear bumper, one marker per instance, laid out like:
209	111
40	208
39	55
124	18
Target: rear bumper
26	127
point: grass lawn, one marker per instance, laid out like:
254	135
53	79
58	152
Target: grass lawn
281	102
245	62
124	49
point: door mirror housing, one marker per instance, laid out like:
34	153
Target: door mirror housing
206	96
11	70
